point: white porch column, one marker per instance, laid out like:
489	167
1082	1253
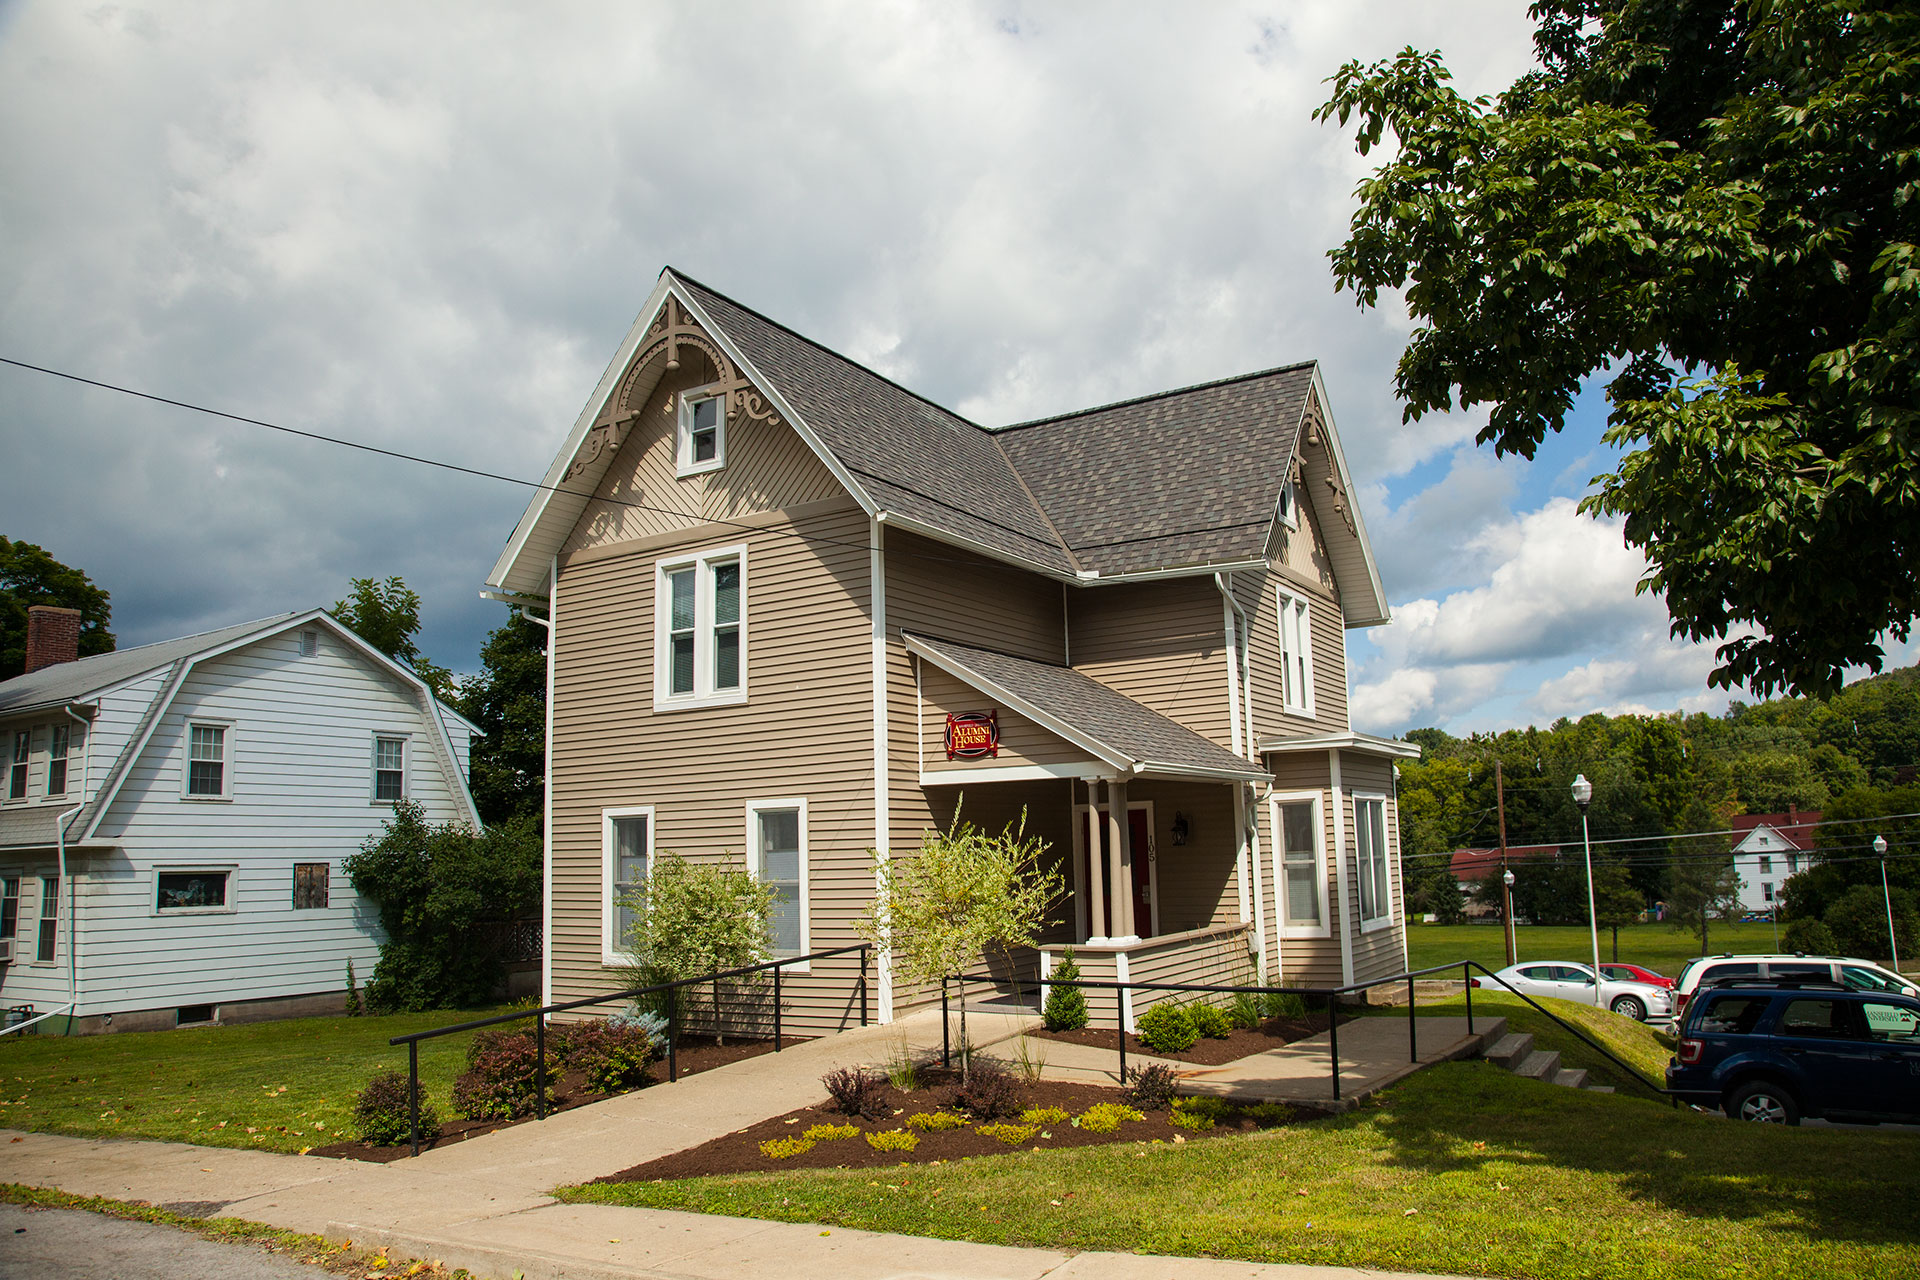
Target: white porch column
1096	871
1120	834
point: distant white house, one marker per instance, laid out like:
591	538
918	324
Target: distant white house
1769	847
174	817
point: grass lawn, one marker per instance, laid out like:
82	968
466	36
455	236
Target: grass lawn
1636	1043
1461	1169
269	1086
1653	946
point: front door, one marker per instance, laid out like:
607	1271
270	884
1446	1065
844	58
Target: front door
1140	835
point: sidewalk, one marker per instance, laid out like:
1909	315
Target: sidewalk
483	1204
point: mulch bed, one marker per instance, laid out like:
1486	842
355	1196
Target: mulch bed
739	1152
570	1091
1242	1043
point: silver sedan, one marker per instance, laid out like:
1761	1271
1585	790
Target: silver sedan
1567	980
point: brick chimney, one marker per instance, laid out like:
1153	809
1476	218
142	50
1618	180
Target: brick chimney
53	636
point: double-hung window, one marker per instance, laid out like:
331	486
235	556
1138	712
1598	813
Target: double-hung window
1302	877
17	775
49	918
1370	848
701	439
389	768
700	619
1296	655
777	856
207	761
57	741
626	853
1766	865
9	908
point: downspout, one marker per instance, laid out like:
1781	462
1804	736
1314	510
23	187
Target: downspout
73	903
546	790
882	760
1246	859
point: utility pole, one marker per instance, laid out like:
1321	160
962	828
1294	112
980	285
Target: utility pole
1506	876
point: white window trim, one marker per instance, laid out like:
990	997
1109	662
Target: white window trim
703	695
228	869
46	765
1318	800
1372	924
1289	503
754	809
40	919
6	779
683	463
373	765
226	763
1288	604
610	953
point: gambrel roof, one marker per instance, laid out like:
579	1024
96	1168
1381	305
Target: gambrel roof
1181	482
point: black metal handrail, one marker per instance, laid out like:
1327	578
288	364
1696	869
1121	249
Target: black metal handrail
412	1039
1331	995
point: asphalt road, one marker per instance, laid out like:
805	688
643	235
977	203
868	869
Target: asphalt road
66	1244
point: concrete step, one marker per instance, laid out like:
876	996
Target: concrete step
1599	1088
1510	1050
1570	1077
1541	1064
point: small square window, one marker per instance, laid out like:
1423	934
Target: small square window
310	881
190	890
207	760
701	443
309	643
389	769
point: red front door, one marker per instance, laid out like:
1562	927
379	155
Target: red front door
1140	836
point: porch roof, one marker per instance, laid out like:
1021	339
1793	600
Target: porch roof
1123	734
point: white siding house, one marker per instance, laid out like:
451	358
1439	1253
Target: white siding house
187	867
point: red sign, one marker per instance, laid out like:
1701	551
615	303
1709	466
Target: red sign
973	734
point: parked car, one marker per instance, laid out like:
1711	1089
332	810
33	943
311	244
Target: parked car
1775	1052
1843	971
1634	973
1565	980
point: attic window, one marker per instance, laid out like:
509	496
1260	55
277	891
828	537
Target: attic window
702	434
309	643
1287	508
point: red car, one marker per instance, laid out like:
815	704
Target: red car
1634	973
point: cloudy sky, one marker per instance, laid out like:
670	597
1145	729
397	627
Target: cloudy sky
427	226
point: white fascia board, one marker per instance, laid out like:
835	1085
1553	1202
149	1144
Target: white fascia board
1365	743
1009	773
535	514
1110	756
1201	772
123	767
1382	614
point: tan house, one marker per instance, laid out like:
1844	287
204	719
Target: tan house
798	612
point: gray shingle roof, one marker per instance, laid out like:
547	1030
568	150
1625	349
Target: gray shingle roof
1123	730
84	677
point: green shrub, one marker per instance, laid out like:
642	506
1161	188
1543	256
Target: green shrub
893	1140
987	1093
1244	1013
1011	1134
1211	1022
1284	1004
934	1121
785	1148
1066	1007
829	1132
1105	1117
1168	1028
383	1113
1151	1087
1043	1115
499	1083
1809	936
1200	1113
615	1057
1267	1114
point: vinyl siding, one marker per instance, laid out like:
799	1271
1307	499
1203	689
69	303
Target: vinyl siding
1162	644
1022	742
804	731
1382	952
1258	594
1303	962
300	763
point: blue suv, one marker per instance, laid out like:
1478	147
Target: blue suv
1779	1052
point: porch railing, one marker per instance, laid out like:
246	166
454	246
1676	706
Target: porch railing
668	989
1332	996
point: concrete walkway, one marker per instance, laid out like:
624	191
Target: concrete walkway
483	1204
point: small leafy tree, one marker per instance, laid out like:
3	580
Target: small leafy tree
693	918
963	893
1857	921
1615	900
387	616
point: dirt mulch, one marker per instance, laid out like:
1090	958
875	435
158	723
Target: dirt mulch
570	1091
740	1152
1242	1043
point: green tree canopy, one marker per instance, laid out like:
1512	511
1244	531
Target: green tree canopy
387	616
30	576
1711	203
508	700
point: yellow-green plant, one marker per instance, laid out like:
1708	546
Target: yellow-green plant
1105	1117
933	1121
1011	1134
785	1148
893	1140
1200	1113
829	1132
1043	1115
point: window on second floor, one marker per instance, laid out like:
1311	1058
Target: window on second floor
389	768
17	775
1296	655
700	630
207	761
701	438
57	741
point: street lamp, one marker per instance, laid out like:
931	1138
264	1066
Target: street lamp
1506	914
1582	796
1880	849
